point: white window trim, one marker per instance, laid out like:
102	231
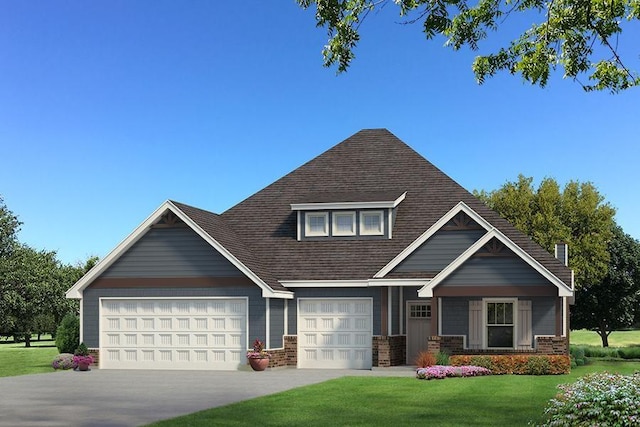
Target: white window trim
485	335
364	232
334	217
307	227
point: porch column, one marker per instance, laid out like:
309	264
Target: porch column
434	315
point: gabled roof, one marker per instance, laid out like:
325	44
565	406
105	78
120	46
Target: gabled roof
211	228
373	161
564	290
259	235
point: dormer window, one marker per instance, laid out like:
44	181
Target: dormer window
347	216
344	224
371	223
317	224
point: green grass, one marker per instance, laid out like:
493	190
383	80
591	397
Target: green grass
363	401
616	339
15	359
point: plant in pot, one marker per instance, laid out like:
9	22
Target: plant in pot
258	357
81	358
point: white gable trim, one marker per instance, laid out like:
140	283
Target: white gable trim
75	292
460	207
564	290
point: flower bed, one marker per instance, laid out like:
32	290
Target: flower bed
63	361
599	399
440	372
517	364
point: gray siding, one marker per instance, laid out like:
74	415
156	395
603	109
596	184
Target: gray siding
543	315
335	293
91	304
439	250
455	315
276	325
171	252
495	271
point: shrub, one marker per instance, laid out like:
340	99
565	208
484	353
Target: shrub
68	334
518	364
442	358
425	359
63	361
629	352
440	372
82	350
591	351
598	399
538	366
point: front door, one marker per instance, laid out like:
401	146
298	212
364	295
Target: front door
418	328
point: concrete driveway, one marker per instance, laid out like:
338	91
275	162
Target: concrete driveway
131	398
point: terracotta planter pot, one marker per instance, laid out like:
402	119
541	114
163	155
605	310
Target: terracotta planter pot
259	364
83	366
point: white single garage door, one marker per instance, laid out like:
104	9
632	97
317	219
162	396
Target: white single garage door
158	333
335	333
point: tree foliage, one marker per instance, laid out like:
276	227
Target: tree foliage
612	303
577	215
580	36
32	284
9	227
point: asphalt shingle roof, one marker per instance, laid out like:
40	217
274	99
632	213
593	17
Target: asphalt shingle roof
261	230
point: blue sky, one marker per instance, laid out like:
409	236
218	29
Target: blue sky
109	108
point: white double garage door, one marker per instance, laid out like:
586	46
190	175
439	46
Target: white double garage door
211	333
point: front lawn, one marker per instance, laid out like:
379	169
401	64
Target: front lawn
15	359
511	400
616	339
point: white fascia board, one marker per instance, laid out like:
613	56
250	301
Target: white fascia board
353	283
563	289
398	282
347	205
324	283
460	207
75	292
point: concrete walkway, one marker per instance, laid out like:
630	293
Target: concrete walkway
106	398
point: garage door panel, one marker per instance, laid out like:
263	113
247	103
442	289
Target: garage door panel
335	333
173	334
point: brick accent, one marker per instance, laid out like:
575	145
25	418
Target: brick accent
552	345
454	345
287	356
389	350
95	353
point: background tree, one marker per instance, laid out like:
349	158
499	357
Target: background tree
27	284
9	227
32	284
612	303
580	36
577	215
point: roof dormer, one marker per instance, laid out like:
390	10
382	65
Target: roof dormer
347	215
